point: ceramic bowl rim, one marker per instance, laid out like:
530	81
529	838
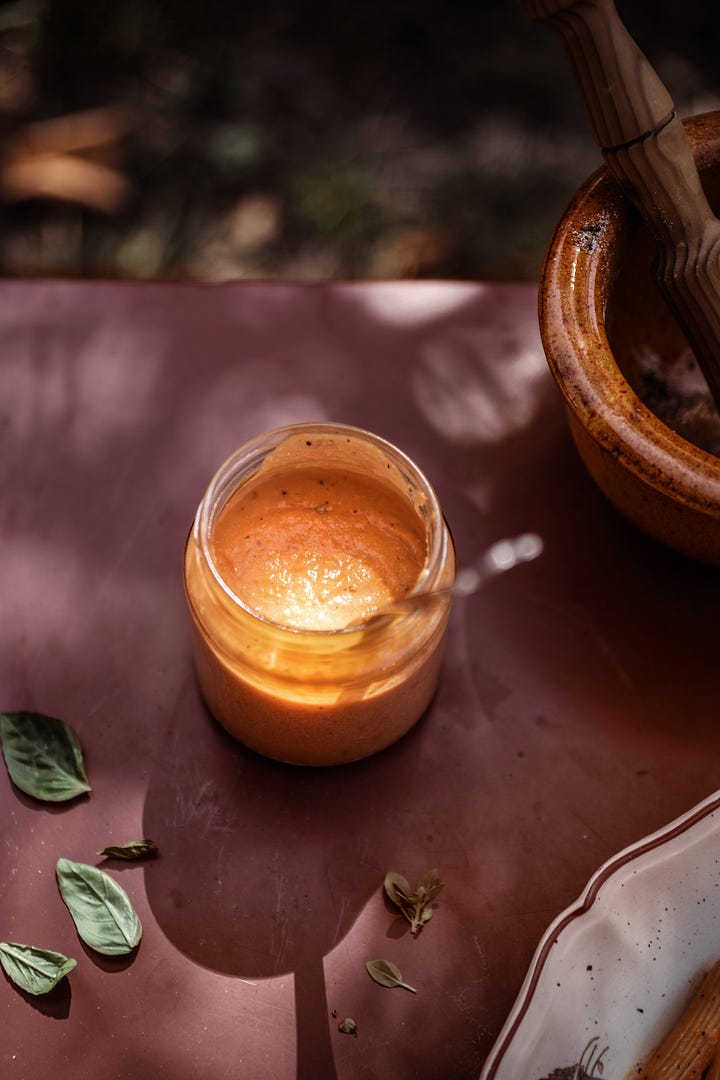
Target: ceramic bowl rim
573	294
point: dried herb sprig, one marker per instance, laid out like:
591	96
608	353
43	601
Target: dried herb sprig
132	850
414	904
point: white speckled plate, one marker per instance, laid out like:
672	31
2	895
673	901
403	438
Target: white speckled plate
614	970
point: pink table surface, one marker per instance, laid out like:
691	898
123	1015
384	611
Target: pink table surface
577	710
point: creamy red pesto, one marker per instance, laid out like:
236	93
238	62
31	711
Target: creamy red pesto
318	548
322	529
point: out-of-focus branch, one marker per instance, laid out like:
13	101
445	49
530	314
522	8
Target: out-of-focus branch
74	158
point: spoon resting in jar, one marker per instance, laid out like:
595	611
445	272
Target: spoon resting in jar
501	556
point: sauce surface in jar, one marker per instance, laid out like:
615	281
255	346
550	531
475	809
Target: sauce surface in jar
318	549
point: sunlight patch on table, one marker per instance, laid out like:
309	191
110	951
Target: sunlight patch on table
209	432
414	303
473	388
92	398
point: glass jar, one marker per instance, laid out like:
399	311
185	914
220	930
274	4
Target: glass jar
303	694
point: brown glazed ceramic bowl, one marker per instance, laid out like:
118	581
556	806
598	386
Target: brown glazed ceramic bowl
622	363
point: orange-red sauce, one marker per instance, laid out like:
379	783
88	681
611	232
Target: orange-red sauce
318	548
311	546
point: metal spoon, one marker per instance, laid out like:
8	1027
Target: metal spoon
501	556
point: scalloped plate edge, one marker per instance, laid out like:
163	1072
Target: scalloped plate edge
576	910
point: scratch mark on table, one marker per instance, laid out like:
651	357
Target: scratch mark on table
337	934
279	933
579	616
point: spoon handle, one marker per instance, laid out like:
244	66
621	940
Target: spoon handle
500	557
643	141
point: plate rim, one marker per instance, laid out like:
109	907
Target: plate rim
581	906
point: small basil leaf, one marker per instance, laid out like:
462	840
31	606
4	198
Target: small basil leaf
133	849
387	974
43	756
101	910
34	970
397	888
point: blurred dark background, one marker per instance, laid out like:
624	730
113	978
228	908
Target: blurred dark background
302	140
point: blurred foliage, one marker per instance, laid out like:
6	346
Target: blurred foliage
301	140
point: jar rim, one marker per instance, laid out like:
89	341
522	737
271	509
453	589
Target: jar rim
245	461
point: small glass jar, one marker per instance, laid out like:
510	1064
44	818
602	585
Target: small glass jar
317	696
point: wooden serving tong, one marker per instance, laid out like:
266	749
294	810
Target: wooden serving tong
635	124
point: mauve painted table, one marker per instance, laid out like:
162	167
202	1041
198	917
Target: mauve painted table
578	709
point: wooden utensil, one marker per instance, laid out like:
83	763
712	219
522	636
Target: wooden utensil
643	141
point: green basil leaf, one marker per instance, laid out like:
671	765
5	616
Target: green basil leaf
387	974
101	910
43	756
133	849
34	970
